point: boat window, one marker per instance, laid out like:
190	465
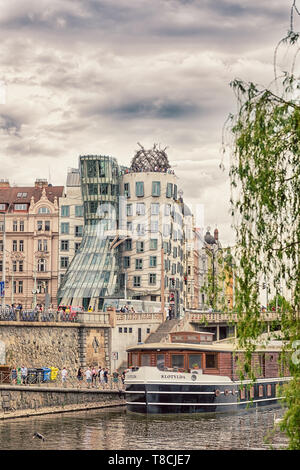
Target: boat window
134	359
195	361
178	360
160	361
145	359
211	361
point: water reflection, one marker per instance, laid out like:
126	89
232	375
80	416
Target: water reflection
118	430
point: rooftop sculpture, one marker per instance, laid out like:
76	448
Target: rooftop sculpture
154	159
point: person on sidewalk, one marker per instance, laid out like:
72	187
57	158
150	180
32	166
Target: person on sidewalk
64	374
24	373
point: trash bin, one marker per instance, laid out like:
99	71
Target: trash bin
39	375
31	376
19	376
5	372
53	373
46	374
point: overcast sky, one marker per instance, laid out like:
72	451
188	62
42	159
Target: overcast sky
98	76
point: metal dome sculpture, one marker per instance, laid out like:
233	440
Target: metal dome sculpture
154	159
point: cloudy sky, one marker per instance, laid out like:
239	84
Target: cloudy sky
98	76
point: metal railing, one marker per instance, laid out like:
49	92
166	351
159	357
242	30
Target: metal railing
71	382
32	315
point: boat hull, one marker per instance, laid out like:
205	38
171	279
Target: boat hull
204	395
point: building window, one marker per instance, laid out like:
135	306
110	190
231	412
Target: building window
169	192
20	266
127	189
175	191
1	226
39	225
152	279
104	189
41	265
140	229
20	207
1	245
42	287
78	211
44	210
126	262
139	247
153	261
1	265
139	263
77	246
140	208
136	281
15	245
129	210
128	244
195	360
47	225
21	245
155	208
64	245
14	266
155	188
2	207
154	226
153	244
64	262
65	211
20	287
167	209
78	230
21	225
93	189
139	189
64	227
91	169
15	226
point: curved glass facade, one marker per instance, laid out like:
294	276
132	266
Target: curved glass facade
93	272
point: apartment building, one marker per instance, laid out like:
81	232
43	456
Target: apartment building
71	222
29	242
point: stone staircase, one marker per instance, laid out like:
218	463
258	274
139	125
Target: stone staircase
162	332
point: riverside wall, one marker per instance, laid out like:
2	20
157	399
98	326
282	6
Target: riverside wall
59	345
23	401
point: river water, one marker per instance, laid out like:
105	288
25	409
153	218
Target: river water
115	429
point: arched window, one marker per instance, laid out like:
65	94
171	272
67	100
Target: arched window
44	210
41	265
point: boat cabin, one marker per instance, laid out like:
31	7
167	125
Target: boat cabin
188	350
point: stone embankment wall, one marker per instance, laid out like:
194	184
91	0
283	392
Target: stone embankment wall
55	345
17	401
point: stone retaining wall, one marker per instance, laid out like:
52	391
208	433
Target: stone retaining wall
18	401
54	344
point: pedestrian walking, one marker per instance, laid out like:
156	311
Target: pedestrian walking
14	375
105	376
102	381
24	373
88	377
123	378
115	379
94	377
79	376
64	374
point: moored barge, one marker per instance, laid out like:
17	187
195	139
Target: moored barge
193	374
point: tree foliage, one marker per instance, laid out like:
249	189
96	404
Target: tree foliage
265	204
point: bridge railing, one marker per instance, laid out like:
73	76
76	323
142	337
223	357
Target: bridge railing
31	315
219	317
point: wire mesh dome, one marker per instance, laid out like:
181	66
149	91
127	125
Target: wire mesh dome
154	159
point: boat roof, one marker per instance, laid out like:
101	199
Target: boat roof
265	344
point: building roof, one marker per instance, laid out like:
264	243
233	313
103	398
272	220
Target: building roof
73	178
23	194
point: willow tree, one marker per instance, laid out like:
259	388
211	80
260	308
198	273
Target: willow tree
265	202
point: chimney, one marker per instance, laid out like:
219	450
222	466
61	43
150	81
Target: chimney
216	234
40	183
4	183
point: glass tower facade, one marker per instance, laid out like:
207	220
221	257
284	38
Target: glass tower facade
93	272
